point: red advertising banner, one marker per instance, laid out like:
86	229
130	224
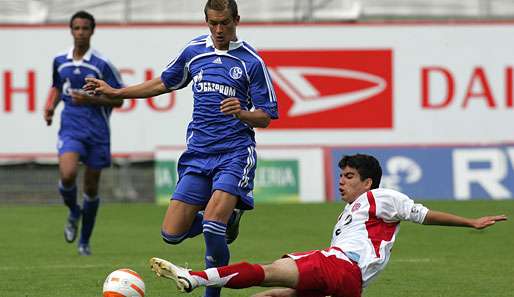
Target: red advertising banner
332	88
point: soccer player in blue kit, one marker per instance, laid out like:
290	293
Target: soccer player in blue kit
84	133
233	93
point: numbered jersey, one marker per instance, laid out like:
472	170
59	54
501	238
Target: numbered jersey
85	122
216	75
367	228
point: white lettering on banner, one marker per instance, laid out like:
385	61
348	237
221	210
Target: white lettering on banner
438	80
490	179
275	177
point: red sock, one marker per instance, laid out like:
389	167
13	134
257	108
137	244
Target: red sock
235	276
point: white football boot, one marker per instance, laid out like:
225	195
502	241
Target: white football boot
184	281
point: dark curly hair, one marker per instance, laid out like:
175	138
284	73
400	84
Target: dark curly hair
367	166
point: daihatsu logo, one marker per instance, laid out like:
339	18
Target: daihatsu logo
332	88
307	98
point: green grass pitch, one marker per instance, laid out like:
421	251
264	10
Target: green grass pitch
427	261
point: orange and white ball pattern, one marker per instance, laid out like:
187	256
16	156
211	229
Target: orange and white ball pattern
124	283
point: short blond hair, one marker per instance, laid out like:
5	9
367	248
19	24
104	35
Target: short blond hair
221	5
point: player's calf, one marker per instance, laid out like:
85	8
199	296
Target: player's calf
233	225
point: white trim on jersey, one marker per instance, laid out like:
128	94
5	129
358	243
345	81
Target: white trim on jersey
273	97
186	67
83	64
250	162
86	56
189	138
114	70
231	46
192	42
182	81
199	57
221	54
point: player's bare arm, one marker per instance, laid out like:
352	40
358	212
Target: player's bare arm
83	98
255	118
55	98
447	219
150	88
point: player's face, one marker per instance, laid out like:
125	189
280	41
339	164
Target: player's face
81	30
223	27
350	184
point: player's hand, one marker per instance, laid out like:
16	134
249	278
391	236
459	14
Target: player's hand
49	114
98	86
231	106
81	98
485	222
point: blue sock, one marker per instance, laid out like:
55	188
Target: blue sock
217	253
89	210
69	197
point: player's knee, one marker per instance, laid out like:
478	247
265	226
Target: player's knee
67	180
91	191
173	239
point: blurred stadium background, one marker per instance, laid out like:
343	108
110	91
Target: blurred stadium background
129	11
455	33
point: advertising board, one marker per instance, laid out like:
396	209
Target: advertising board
453	172
337	84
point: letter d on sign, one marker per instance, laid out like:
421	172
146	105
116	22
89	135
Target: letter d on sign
446	86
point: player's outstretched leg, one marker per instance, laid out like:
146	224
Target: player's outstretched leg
233	225
236	276
184	281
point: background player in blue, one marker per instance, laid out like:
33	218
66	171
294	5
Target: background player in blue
84	133
233	93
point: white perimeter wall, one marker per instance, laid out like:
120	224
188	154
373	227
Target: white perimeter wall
470	94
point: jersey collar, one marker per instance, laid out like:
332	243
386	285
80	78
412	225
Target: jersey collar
232	45
86	57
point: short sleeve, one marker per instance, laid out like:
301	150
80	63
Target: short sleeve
112	76
395	206
176	75
261	90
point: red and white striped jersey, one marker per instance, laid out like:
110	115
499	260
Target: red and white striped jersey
367	228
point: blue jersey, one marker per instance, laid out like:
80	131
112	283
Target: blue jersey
84	122
217	75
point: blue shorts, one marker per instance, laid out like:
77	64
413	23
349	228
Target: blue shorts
94	155
201	174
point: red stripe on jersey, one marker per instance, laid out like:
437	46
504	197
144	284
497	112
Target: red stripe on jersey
378	230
